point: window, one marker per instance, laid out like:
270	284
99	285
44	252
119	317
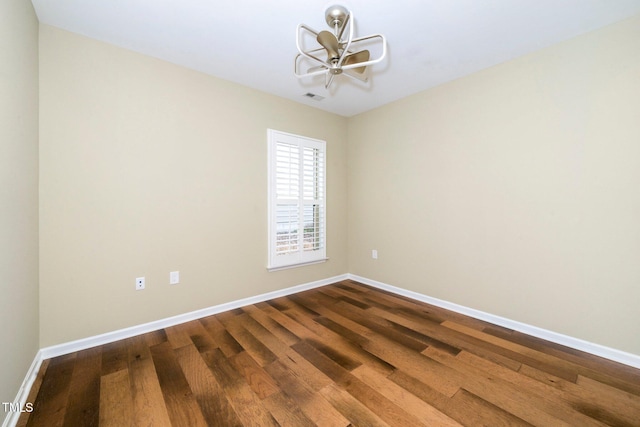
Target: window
297	211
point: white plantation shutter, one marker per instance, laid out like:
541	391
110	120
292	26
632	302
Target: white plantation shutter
296	200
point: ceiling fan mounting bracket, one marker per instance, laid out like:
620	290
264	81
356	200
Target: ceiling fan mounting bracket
336	16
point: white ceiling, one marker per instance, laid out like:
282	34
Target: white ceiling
252	42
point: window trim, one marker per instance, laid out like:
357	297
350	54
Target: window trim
300	257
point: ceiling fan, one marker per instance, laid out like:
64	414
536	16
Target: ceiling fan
344	53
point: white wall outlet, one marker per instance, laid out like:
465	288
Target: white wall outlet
374	254
139	283
174	277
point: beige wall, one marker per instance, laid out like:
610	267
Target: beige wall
18	194
514	191
146	168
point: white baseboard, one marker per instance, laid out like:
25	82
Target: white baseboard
84	343
23	394
575	343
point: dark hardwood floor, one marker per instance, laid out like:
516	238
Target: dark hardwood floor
344	354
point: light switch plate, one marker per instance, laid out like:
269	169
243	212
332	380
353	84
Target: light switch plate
174	277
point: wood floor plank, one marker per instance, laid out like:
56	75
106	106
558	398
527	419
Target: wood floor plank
286	412
116	402
382	407
413	326
252	345
340	357
305	370
194	327
383	327
325	306
423	310
285	321
84	394
287	302
450	338
246	404
330	339
114	357
356	334
265	336
602	370
613	404
51	403
351	336
201	338
603	402
620	380
321	362
148	401
178	335
33	393
322	337
181	405
428	394
257	378
345	354
544	377
474	411
311	403
204	343
403	398
280	332
221	369
155	337
388	411
248	409
325	340
227	344
213	401
392	302
423	368
465	408
532	357
603	389
488	385
351	408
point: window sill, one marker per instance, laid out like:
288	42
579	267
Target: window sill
302	264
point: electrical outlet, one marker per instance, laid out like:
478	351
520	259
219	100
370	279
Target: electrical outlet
174	277
139	283
374	254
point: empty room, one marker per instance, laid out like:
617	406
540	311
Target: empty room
317	213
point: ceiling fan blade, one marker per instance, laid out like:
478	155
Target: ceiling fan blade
355	58
330	43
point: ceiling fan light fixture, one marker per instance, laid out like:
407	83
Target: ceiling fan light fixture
339	46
